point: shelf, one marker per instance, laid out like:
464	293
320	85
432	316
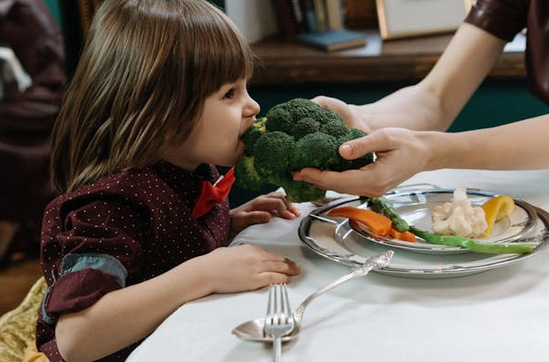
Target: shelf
283	62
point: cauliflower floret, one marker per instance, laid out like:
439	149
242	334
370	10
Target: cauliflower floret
459	217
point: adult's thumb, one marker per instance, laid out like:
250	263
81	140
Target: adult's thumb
355	148
335	105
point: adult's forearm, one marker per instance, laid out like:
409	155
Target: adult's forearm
519	145
463	66
415	107
434	103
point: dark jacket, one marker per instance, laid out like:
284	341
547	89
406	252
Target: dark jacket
26	119
505	18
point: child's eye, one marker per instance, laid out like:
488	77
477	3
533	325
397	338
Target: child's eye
229	94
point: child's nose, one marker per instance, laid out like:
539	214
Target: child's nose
252	108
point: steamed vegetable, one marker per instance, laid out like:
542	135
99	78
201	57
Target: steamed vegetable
386	225
377	224
387	208
496	209
294	135
474	245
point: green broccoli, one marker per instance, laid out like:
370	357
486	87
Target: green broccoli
293	135
272	153
323	146
247	176
304	126
252	135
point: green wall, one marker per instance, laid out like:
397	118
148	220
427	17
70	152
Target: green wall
53	5
496	102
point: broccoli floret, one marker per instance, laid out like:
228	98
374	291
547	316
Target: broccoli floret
272	153
353	134
335	128
323	147
247	176
292	136
304	127
279	119
297	191
252	135
284	116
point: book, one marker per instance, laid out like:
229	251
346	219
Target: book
286	19
299	17
309	14
320	13
334	14
333	40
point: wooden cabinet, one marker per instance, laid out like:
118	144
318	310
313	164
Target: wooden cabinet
379	61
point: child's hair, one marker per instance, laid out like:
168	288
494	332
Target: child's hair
144	74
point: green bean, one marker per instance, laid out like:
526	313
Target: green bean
474	245
385	208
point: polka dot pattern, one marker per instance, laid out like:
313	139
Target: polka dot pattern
143	218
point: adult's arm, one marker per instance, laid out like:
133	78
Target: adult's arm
428	108
435	102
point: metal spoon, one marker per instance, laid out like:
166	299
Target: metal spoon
253	330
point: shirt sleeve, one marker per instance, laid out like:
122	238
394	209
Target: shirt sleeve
100	250
502	18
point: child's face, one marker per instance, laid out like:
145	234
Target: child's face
217	137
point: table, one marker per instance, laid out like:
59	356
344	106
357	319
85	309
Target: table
499	315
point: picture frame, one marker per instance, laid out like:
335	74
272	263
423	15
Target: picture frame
408	18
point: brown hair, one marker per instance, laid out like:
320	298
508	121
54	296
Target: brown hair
145	71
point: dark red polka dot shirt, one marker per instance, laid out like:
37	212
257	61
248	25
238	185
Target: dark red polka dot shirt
119	231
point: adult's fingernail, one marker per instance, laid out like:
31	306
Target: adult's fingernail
345	150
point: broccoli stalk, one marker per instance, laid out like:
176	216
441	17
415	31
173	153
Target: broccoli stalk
294	135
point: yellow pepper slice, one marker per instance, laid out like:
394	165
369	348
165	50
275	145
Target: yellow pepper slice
496	209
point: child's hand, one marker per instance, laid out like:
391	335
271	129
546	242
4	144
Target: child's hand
246	267
261	210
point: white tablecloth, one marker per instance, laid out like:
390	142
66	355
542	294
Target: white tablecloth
500	315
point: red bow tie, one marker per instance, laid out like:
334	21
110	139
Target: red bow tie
210	195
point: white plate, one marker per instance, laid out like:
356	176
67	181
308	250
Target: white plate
340	243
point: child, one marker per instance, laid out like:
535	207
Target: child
159	95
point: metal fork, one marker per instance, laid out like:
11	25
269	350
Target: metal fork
279	320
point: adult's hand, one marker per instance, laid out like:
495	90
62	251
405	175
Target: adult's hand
353	115
401	153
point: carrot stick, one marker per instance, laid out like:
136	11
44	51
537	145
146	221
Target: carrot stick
402	235
376	223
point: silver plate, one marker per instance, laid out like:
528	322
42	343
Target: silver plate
340	243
